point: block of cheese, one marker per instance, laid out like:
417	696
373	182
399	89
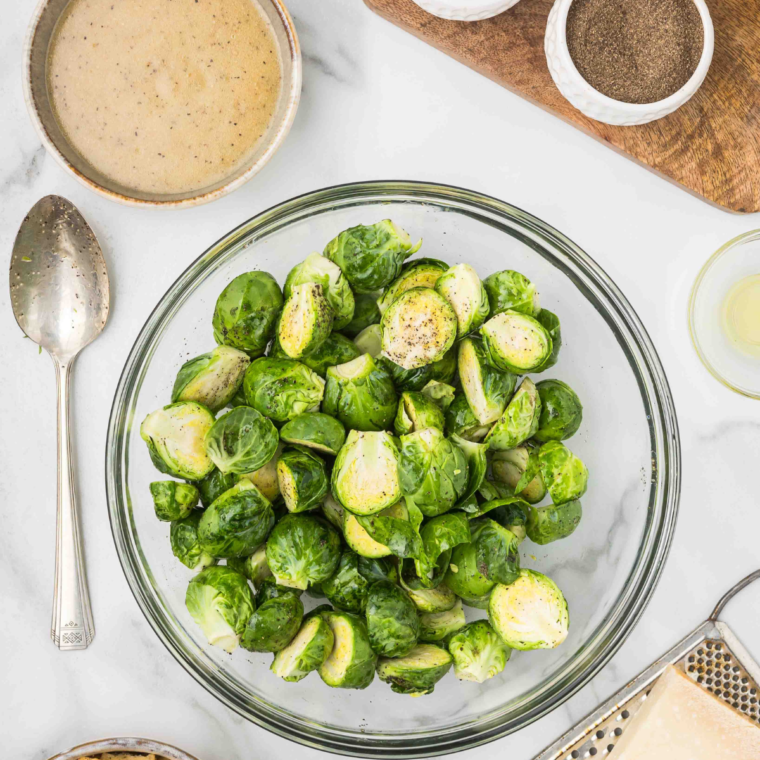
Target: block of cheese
680	720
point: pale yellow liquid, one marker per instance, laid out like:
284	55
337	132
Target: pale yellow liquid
164	96
741	315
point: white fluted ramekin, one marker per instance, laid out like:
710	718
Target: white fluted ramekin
462	10
591	102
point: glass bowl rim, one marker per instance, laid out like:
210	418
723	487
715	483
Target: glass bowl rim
608	636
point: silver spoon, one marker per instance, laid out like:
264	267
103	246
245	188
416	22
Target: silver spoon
59	294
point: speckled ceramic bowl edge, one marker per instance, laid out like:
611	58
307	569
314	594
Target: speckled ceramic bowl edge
124	744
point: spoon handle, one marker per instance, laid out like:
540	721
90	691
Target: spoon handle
72	626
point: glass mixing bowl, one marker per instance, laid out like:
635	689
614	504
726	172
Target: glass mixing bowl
607	569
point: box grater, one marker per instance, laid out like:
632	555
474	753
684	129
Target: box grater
711	655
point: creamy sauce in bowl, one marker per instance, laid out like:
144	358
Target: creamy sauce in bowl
164	96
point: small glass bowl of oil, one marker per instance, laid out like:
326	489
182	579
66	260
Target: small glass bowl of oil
724	314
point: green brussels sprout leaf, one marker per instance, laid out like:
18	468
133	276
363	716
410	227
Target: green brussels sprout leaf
478	651
242	440
172	500
392	623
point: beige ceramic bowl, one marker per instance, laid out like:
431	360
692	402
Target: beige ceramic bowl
124	744
35	92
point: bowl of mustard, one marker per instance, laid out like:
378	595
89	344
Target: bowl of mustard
124	748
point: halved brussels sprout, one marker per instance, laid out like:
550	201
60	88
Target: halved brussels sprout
510	466
462	288
419	327
422	273
316	268
496	551
416	411
519	420
366	313
441	393
464	576
253	567
308	650
478	651
371	255
390	529
439	599
186	547
351	663
551	523
550	321
236	523
516	342
246	312
370	341
477	465
530	613
392	621
486	388
432	471
438	626
439	536
220	601
561	411
416	673
509	290
315	430
361	541
346	589
302	477
175	436
365	476
281	389
265	478
214	485
211	379
333	510
337	349
242	440
302	549
274	624
172	500
305	322
565	475
378	569
460	420
361	395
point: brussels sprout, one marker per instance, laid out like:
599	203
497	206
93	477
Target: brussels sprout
305	322
302	477
183	535
439	536
496	552
302	549
439	599
361	395
462	288
172	500
416	673
406	379
315	430
487	389
416	411
265	478
366	313
422	273
561	411
477	465
565	475
516	342
242	440
246	312
361	541
365	477
371	256
464	577
511	513
214	485
510	466
550	321
175	436
530	613
377	569
490	490
316	268
347	589
274	624
253	567
460	420
419	327
392	621
519	420
551	523
432	471
351	663
438	626
211	379
236	523
509	290
478	652
333	511
337	349
220	601
441	393
370	341
281	389
389	529
270	589
308	650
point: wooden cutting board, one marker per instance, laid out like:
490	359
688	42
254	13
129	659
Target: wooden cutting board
710	146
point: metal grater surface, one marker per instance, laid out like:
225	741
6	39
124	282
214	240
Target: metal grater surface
711	655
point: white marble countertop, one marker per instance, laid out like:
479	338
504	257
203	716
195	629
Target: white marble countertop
377	104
